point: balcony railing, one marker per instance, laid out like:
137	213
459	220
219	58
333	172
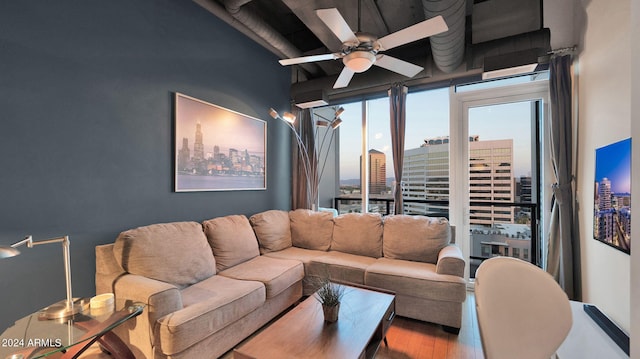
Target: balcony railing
497	227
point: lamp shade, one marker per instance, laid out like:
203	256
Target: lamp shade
6	252
289	117
273	113
64	308
359	61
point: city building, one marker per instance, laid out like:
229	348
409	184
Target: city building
425	176
88	133
603	223
523	189
377	172
491	180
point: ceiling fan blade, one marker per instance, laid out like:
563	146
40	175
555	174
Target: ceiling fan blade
396	65
336	23
423	29
344	78
312	58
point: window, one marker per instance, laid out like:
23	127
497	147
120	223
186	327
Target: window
503	128
350	150
425	172
487	152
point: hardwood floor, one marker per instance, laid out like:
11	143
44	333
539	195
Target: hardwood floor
413	339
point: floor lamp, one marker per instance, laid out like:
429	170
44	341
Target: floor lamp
311	174
64	308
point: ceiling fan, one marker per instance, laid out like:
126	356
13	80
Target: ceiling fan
360	50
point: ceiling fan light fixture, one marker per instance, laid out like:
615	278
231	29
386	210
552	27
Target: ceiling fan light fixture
359	61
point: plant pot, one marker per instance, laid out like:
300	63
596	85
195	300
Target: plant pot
331	313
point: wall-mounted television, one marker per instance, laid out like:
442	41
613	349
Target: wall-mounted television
612	195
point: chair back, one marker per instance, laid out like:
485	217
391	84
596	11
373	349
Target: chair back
522	312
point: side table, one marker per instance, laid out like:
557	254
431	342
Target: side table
35	337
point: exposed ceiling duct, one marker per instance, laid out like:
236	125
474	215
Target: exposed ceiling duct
447	48
254	23
496	30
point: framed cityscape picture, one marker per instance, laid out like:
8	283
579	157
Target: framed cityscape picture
612	195
217	149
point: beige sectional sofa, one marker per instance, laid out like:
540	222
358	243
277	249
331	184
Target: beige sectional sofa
410	255
208	286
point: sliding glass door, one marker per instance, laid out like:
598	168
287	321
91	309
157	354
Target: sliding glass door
496	173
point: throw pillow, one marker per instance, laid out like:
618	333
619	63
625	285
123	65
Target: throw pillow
272	229
175	253
358	233
232	240
310	229
415	238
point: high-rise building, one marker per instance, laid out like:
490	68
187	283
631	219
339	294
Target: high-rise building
491	180
377	172
184	155
604	194
604	213
425	175
523	189
198	145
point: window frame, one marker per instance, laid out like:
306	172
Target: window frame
461	102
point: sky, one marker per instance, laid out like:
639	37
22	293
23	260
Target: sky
221	127
614	162
428	117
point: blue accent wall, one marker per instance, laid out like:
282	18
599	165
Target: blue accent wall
86	129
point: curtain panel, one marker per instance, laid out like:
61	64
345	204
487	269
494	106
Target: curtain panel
397	100
562	263
304	182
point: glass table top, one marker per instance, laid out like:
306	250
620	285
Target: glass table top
35	336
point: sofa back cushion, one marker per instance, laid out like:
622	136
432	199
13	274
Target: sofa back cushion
272	229
232	240
175	253
415	238
310	229
358	233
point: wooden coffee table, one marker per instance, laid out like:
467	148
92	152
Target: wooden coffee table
365	315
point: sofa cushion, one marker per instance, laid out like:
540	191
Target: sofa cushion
415	279
415	238
160	252
276	274
339	266
310	229
358	233
232	240
209	306
303	255
272	229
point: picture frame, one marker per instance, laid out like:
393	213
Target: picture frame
217	149
612	195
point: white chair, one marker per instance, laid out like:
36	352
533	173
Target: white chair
522	312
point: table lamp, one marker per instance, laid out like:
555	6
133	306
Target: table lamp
64	308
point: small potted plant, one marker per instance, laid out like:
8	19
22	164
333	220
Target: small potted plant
329	295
